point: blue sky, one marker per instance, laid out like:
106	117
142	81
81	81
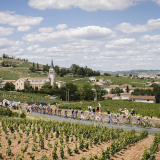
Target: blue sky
108	35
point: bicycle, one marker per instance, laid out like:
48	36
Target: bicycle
128	122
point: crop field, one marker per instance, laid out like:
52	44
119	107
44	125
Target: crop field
39	139
144	109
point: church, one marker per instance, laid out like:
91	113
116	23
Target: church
39	82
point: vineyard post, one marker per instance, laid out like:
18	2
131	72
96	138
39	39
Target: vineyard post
97	152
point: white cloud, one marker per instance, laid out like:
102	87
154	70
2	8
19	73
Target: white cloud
70	35
150	38
6	31
125	41
157	1
4	42
33	47
87	5
13	19
46	30
61	26
129	28
23	28
10	47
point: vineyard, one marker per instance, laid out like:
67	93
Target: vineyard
144	109
25	97
39	139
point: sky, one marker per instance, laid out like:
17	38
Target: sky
107	35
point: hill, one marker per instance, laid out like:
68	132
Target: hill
21	69
136	72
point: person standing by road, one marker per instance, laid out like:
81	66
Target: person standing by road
132	111
90	108
99	107
120	110
93	110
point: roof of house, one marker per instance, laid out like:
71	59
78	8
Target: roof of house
114	86
3	83
109	95
104	86
125	93
149	88
142	97
125	85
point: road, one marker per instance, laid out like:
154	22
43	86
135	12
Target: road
58	118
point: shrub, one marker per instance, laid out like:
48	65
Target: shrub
23	114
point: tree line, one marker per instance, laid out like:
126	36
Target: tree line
70	91
75	69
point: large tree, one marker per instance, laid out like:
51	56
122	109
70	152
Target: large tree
87	92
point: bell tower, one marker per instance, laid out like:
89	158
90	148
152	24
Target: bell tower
52	73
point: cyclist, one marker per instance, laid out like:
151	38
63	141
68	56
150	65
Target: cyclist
110	118
75	115
93	115
72	113
139	119
100	117
116	117
82	117
88	116
65	113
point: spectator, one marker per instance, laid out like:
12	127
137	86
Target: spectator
108	111
93	110
98	109
90	108
132	111
120	110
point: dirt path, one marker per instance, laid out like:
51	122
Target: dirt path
157	155
135	151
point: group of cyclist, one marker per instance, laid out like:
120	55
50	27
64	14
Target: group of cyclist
90	115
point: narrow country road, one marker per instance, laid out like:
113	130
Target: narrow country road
58	118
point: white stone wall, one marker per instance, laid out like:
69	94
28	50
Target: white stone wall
125	96
145	100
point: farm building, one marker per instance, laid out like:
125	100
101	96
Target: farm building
93	79
112	96
147	99
101	80
125	95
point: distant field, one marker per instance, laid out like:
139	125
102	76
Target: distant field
125	80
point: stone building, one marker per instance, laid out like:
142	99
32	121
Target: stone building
39	82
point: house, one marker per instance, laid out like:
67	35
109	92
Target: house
2	84
107	88
108	80
112	96
146	99
101	80
125	95
149	83
21	82
125	85
93	79
113	86
60	84
10	81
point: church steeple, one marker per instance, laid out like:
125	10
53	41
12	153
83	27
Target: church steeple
52	66
52	73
